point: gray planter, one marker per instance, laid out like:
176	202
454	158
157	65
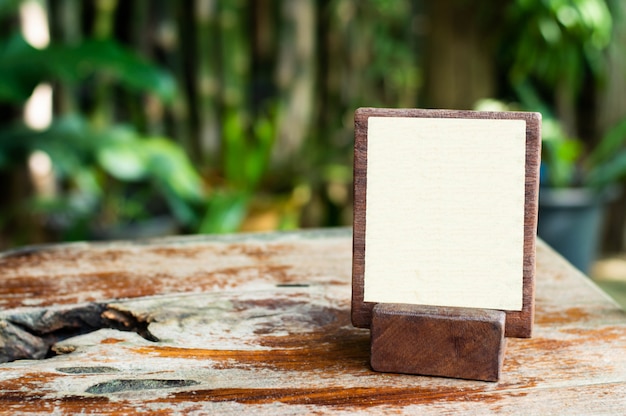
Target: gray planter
570	221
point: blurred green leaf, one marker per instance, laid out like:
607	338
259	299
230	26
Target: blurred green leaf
561	156
260	151
234	149
246	157
22	67
225	212
76	62
87	182
609	145
550	31
123	159
9	7
530	99
170	166
547	39
609	172
77	149
69	143
130	157
15	142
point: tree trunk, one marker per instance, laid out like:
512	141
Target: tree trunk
459	64
295	76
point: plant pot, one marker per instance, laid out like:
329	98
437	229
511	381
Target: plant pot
570	221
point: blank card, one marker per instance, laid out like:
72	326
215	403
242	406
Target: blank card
445	212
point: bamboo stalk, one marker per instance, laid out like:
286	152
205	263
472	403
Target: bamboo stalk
207	78
145	111
65	25
235	81
102	113
295	76
173	33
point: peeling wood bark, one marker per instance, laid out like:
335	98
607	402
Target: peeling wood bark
261	324
30	333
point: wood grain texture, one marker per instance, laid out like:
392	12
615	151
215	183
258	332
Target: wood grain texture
438	341
260	324
518	323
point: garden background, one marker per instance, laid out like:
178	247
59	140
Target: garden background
141	118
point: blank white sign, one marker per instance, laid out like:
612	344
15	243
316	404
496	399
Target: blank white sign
445	212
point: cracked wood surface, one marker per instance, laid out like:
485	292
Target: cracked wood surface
261	323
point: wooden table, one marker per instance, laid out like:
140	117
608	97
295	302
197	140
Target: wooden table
260	324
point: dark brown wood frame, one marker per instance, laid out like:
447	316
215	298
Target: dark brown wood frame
518	323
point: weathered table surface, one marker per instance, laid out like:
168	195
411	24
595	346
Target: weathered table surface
261	324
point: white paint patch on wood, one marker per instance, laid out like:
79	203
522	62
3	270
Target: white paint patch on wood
445	212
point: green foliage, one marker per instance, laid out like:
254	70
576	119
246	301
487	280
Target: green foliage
225	211
553	46
607	163
554	41
8	7
83	155
560	153
385	32
568	165
245	161
106	173
392	48
612	143
23	67
246	158
127	156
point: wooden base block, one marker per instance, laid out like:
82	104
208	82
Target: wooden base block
438	341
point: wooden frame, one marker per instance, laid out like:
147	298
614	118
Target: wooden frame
518	323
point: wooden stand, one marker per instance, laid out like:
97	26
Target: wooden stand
438	341
456	342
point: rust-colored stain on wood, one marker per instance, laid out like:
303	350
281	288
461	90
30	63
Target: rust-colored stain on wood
111	341
350	398
29	382
564	315
352	354
324	399
114	273
263	327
